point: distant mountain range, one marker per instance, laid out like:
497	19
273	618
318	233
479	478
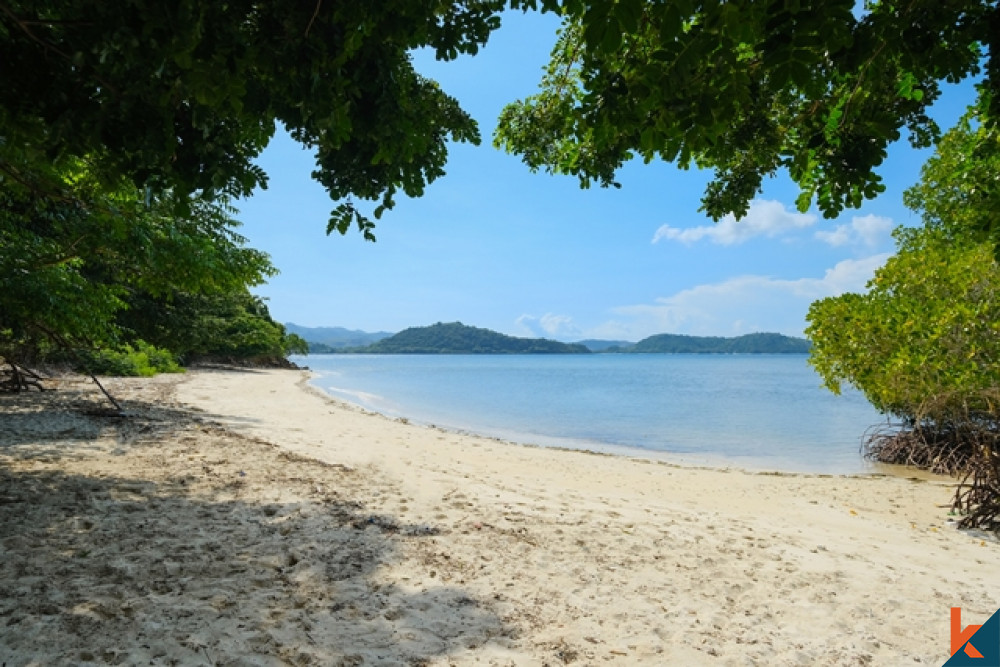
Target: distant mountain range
458	338
329	339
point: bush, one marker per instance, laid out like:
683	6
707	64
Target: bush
924	342
143	360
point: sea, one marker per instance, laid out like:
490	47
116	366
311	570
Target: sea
763	412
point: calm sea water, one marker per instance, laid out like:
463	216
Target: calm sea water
752	411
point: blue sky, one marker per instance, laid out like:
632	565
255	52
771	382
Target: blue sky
493	245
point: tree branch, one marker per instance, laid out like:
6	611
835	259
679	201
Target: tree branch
105	392
319	3
25	24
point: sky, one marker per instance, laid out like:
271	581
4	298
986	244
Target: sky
493	245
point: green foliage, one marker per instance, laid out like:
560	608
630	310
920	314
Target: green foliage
756	343
47	289
959	190
70	265
295	344
747	89
924	341
231	325
140	360
180	97
457	338
126	126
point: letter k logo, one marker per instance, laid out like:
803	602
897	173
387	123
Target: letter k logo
960	637
985	652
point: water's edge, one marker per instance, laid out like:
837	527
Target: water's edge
767	458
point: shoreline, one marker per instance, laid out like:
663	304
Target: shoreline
703	461
246	517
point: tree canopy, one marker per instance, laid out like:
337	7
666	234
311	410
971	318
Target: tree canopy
924	341
231	325
126	127
179	97
959	188
818	88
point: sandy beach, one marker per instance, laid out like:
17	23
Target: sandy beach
244	518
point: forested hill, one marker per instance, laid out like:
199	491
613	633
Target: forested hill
457	338
755	343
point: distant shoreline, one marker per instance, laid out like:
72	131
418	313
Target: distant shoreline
458	338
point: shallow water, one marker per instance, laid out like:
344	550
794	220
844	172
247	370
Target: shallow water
751	411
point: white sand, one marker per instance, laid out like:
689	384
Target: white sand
207	530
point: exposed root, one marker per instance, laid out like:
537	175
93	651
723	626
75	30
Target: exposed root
978	495
942	450
968	449
14	378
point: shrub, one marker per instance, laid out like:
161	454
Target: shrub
142	360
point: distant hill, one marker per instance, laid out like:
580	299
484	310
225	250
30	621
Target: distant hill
331	339
604	345
457	338
755	343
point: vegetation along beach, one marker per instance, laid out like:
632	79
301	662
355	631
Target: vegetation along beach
802	194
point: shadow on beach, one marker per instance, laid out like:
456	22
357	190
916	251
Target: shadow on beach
164	538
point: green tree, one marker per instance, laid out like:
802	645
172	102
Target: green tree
923	343
71	262
126	124
231	325
180	97
812	87
926	335
959	188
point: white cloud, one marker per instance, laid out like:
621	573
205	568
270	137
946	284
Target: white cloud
765	218
850	275
547	326
743	304
866	230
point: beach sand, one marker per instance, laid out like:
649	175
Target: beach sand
243	518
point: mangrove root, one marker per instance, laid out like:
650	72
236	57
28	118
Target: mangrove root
968	450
